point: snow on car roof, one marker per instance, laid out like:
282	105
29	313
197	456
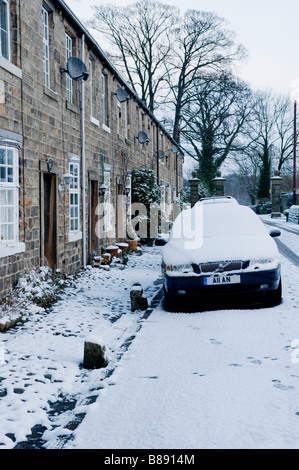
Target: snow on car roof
210	232
217	219
218	200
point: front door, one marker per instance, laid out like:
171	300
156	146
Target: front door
49	230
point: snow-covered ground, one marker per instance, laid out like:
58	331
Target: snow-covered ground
224	378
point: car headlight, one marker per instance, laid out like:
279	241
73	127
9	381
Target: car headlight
183	268
264	262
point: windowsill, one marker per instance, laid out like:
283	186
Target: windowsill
72	107
94	121
11	249
7	65
52	94
106	128
75	236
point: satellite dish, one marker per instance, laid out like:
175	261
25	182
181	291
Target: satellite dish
122	95
76	69
142	137
161	154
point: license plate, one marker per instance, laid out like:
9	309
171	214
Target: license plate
222	279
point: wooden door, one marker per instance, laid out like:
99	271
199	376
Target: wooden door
49	220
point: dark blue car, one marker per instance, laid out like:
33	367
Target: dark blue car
217	248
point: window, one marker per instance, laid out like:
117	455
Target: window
169	201
105	114
69	82
162	197
9	195
107	200
74	197
92	90
122	119
46	48
4	29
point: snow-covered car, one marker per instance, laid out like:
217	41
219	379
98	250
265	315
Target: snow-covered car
220	247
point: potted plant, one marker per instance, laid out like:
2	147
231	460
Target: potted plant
132	237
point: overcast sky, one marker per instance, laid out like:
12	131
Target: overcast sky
269	29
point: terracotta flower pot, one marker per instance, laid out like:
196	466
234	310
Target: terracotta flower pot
112	250
123	246
133	244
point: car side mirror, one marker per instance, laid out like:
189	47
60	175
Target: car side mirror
274	233
160	241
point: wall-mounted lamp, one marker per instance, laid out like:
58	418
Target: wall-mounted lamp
102	190
50	164
161	154
67	179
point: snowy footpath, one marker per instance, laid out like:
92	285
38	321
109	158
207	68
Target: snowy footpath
218	378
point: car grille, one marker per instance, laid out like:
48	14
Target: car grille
223	266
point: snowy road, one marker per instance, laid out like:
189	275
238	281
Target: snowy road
216	379
220	378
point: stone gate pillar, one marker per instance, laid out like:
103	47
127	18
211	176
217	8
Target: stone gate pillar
219	183
275	195
194	196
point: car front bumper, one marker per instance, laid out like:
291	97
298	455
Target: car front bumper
251	282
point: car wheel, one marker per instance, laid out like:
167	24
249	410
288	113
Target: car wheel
273	298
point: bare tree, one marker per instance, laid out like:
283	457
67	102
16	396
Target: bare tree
162	52
269	136
285	130
142	35
248	171
203	45
218	108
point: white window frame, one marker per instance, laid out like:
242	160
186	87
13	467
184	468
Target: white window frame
107	226
9	208
129	197
69	81
5	29
46	47
122	119
105	123
162	197
74	231
118	117
92	92
169	201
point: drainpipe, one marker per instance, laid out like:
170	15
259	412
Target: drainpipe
83	161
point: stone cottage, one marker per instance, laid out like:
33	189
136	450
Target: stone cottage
71	132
